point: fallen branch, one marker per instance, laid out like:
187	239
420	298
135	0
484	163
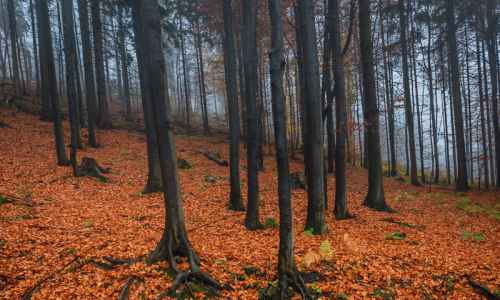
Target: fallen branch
126	287
481	289
215	157
118	262
7	198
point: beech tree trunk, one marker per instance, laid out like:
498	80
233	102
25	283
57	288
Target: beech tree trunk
48	76
250	62
230	72
461	167
104	116
90	93
375	198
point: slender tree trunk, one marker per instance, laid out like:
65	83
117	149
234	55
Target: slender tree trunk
312	99
432	104
287	271
104	115
493	57
375	198
485	156
90	93
341	211
35	47
48	76
13	46
122	31
187	83
204	108
461	179
71	69
230	72
406	83
249	45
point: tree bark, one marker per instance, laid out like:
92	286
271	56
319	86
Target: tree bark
13	47
90	93
230	72
287	271
71	69
249	45
461	169
375	198
406	83
104	116
48	76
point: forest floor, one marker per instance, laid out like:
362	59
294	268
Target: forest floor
56	234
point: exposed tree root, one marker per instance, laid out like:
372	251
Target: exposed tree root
29	293
169	250
481	289
90	167
126	287
292	282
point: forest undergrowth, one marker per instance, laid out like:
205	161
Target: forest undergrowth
65	237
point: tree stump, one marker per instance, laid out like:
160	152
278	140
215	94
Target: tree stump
90	167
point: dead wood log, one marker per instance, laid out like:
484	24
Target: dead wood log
7	198
215	157
481	289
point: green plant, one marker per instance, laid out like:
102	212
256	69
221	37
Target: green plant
271	223
342	296
383	294
309	232
397	235
475	236
3	200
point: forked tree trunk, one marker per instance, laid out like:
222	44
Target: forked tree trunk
174	240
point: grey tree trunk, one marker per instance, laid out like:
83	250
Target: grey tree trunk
406	83
461	168
104	115
13	47
48	76
493	58
287	271
230	72
314	131
375	198
90	93
71	69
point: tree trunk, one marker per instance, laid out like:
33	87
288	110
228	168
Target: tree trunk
432	105
104	116
375	198
407	95
249	45
13	46
461	179
230	72
89	72
287	271
122	31
187	83
481	112
340	210
314	131
492	55
48	76
174	240
35	47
